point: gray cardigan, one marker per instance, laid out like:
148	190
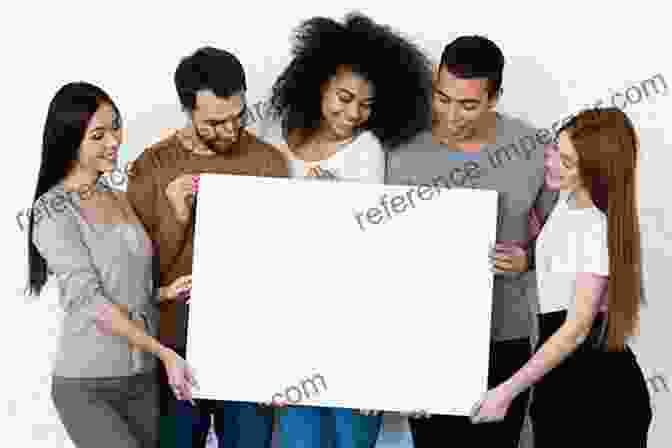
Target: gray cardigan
94	264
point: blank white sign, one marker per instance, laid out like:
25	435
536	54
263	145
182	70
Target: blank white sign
289	285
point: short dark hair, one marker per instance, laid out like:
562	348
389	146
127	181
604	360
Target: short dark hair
399	70
470	57
208	68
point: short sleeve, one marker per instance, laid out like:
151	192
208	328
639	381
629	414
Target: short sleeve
58	238
593	250
371	160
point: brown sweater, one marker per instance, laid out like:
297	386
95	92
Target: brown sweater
159	165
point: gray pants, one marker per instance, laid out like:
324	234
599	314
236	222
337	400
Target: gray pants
114	412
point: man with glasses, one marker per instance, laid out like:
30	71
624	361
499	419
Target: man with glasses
162	182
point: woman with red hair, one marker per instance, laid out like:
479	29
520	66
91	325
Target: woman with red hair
589	385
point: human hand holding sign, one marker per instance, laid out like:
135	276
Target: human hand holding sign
178	290
493	406
508	258
180	193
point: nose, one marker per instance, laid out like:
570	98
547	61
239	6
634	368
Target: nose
453	113
352	113
113	141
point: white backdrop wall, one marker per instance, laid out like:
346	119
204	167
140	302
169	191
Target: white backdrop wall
559	59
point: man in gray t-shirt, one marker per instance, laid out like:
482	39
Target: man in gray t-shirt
472	146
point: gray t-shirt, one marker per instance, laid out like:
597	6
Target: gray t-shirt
94	264
514	167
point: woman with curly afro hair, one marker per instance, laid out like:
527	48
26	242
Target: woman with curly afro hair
352	92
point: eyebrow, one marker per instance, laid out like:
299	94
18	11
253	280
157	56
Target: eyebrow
237	114
371	98
97	128
464	100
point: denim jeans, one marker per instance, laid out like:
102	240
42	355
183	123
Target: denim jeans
318	427
237	424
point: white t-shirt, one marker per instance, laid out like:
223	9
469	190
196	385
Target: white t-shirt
361	160
572	240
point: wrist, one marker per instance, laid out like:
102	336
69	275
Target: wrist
165	353
511	388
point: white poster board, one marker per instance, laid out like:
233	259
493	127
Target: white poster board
292	283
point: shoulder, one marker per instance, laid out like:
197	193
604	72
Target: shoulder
164	152
275	162
53	211
516	125
421	143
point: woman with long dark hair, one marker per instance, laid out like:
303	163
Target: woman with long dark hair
104	385
589	386
352	92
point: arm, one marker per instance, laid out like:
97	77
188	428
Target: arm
592	270
144	193
59	241
589	290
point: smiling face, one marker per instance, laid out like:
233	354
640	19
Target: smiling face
460	105
99	149
218	121
347	99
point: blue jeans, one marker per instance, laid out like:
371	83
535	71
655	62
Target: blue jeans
237	424
318	427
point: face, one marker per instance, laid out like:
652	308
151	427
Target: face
99	149
568	168
552	167
460	105
347	100
218	121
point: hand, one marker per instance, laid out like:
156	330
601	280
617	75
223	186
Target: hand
180	375
180	193
508	258
130	172
179	289
492	407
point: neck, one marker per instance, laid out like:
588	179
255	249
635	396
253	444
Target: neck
582	198
486	133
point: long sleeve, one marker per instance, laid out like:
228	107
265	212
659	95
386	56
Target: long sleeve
143	194
59	241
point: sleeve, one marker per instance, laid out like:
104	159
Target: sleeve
59	241
372	161
593	251
144	193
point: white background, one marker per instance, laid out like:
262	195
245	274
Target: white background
561	56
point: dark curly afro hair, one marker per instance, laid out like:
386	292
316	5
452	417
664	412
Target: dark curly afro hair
399	71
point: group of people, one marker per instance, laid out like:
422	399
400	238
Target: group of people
357	102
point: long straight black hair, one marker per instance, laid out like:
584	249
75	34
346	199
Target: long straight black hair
68	116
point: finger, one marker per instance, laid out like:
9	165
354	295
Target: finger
502	257
191	377
503	264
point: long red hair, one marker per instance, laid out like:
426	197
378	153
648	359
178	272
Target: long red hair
607	146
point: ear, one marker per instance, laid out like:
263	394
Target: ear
492	102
